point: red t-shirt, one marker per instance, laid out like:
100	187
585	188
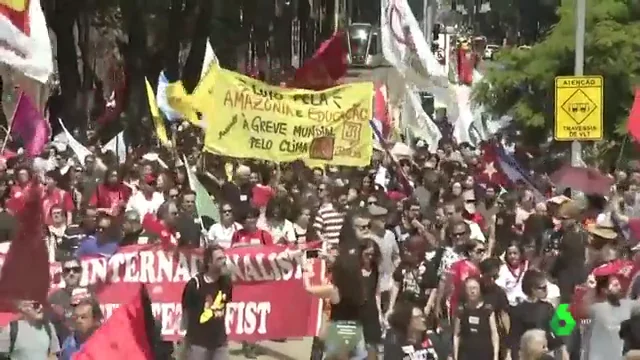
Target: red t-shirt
16	197
106	197
261	194
258	237
458	273
56	197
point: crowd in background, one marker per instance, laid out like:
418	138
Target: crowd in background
426	258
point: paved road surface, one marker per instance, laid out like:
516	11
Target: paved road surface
269	350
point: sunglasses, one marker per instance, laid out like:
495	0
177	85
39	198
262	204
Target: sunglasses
73	269
460	234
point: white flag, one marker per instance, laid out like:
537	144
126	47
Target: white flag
419	122
118	146
80	150
24	40
462	127
405	47
210	59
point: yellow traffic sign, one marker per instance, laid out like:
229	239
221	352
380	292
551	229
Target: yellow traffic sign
578	108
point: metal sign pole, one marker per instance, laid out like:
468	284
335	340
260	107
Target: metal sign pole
576	147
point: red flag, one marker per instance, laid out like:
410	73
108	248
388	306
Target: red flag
27	255
326	66
381	118
128	334
633	125
489	170
29	127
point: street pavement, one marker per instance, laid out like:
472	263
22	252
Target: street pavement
294	349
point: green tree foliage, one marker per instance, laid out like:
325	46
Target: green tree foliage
522	82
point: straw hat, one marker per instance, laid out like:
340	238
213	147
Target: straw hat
603	228
569	210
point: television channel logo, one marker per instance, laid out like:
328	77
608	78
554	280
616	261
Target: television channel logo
562	322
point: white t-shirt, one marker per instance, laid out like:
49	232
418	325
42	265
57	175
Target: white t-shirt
143	205
221	235
284	231
475	232
511	283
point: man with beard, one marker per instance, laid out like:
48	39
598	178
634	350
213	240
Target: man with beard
606	317
204	303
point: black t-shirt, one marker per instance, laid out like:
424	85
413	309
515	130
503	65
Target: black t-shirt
416	282
396	347
496	297
189	230
205	305
531	315
238	196
8	224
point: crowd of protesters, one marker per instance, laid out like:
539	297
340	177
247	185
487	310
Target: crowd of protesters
427	260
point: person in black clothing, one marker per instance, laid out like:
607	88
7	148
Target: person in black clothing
344	338
204	303
188	222
408	338
238	192
495	296
370	258
533	313
416	278
475	334
8	222
630	333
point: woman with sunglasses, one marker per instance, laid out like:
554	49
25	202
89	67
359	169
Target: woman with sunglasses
222	232
371	324
532	313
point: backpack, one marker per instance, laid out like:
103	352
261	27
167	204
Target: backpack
13	336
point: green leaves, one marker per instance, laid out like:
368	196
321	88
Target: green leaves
522	83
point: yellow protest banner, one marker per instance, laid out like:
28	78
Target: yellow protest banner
246	118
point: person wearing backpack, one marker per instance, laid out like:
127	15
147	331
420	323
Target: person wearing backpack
204	304
30	337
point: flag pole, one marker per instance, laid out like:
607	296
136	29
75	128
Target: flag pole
7	135
189	177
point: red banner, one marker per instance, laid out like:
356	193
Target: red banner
269	300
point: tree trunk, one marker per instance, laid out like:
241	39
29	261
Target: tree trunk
135	55
199	38
62	21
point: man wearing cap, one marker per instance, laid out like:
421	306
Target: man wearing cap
389	251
